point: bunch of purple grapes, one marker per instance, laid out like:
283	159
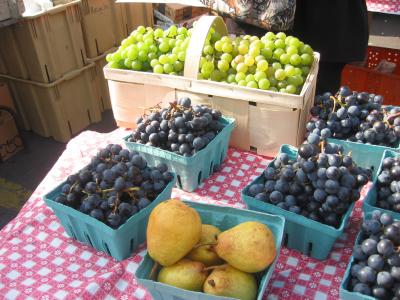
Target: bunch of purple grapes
181	128
376	267
320	183
116	185
388	184
356	117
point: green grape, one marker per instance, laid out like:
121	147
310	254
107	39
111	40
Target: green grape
294	42
142	56
225	39
279	43
252	84
270	35
182	55
259	58
240	76
289	70
298	71
136	65
291	89
153	48
266	52
282	84
276	65
252	69
168	68
256	44
180	38
171	43
125	43
176	50
259	75
141	29
173	73
291	50
272	81
216	75
254	38
148	42
178	66
280	74
200	76
295	80
250	77
151	56
238	59
173	30
139	37
264	84
277	53
262	65
242	67
208	49
178	43
223	65
281	35
231	71
202	61
306	49
305	70
273	89
282	90
227	57
109	57
242	83
172	57
243	49
215	36
182	30
163	59
128	63
270	45
249	60
164	47
234	64
154	62
207	68
287	40
295	59
218	46
254	52
231	78
227	47
306	59
158	33
284	59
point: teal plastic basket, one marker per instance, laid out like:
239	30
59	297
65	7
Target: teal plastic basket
305	235
118	243
190	171
370	199
224	218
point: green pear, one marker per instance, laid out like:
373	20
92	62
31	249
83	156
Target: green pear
185	274
173	230
205	253
230	282
249	247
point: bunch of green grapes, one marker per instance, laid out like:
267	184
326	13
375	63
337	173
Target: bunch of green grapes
156	50
275	62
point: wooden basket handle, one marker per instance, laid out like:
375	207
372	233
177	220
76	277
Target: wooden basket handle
199	35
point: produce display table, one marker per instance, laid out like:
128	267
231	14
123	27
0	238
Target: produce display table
384	6
39	261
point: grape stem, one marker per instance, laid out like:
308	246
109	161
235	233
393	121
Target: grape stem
73	186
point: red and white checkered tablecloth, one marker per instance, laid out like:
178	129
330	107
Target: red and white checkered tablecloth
384	6
39	261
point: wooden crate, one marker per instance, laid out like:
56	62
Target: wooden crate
135	14
59	109
45	46
265	119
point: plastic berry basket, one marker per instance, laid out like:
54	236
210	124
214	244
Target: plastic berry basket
118	243
369	204
190	171
305	235
224	218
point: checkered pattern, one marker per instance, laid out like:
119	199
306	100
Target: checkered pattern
384	6
39	261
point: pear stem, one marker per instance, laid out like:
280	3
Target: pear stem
211	282
154	270
216	267
204	244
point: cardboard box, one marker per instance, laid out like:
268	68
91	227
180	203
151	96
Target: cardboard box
5	96
10	140
179	12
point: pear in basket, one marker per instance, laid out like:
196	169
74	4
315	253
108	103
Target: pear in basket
173	230
249	246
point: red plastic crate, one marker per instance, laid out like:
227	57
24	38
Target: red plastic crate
368	80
